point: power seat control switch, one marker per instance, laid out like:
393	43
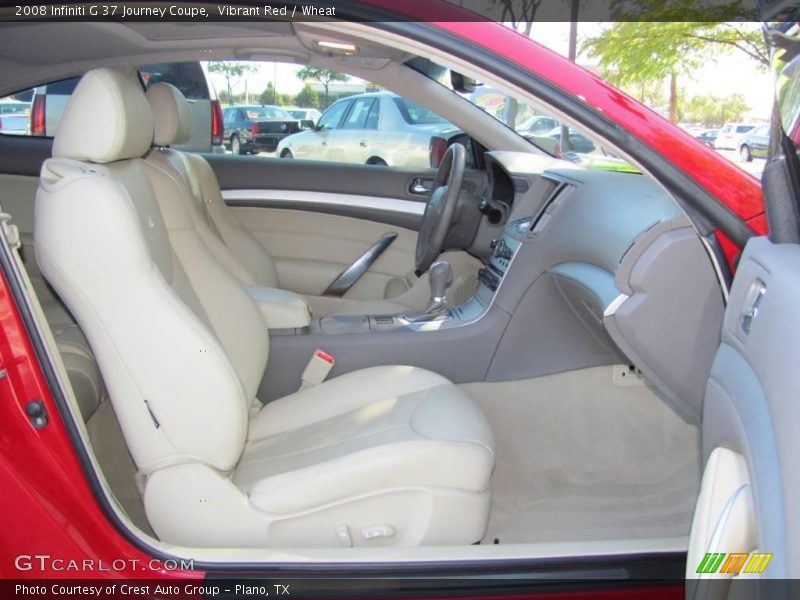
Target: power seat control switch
377	531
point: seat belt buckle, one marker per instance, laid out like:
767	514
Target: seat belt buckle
317	369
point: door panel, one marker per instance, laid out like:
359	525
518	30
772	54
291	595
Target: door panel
311	249
316	219
751	409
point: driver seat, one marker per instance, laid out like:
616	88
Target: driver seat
386	456
173	125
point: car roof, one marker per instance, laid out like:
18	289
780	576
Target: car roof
370	95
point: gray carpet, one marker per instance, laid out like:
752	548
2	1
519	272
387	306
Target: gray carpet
579	458
116	463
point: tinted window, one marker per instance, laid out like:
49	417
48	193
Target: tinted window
65	87
414	114
188	77
357	117
333	116
254	113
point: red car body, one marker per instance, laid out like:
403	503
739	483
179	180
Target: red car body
47	503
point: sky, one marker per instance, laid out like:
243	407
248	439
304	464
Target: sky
730	73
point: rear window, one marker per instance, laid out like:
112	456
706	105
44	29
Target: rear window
414	114
188	77
266	112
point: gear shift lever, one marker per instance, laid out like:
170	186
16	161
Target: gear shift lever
441	278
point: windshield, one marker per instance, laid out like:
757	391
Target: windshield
531	122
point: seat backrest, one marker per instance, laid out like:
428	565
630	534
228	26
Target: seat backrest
154	325
173	125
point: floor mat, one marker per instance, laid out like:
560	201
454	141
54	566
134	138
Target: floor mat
580	458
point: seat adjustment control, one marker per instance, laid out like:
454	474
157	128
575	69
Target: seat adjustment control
377	531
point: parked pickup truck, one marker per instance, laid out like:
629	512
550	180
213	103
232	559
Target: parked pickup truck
251	129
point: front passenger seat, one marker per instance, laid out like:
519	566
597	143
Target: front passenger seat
387	456
173	125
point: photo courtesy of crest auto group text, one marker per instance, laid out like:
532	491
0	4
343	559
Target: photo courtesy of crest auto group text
477	299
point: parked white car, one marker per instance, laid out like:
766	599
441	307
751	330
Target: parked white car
379	128
731	134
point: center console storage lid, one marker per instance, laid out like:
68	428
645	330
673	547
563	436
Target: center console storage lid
281	309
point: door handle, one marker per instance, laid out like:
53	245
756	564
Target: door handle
751	305
418	186
353	273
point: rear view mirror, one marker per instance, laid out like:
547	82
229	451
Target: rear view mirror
462	84
307	124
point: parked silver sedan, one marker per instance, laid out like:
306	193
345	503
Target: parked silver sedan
378	128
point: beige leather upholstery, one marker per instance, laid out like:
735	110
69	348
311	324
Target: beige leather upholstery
724	519
281	309
172	117
172	120
386	456
96	133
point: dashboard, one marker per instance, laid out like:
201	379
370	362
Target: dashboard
597	267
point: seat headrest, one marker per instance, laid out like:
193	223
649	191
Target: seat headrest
172	116
106	119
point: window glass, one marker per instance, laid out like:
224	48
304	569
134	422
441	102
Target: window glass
333	116
188	77
414	114
373	116
530	121
45	104
357	117
743	128
269	113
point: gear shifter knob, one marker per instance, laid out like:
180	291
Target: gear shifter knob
441	278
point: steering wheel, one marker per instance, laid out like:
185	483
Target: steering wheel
441	208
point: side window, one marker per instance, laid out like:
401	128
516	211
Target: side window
333	116
374	115
188	77
15	113
357	117
38	111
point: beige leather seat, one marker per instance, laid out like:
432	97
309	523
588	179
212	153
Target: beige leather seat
385	456
253	264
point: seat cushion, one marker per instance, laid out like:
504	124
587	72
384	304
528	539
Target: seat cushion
382	428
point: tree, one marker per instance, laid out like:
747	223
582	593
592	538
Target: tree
230	70
640	53
323	76
714	111
519	13
307	98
